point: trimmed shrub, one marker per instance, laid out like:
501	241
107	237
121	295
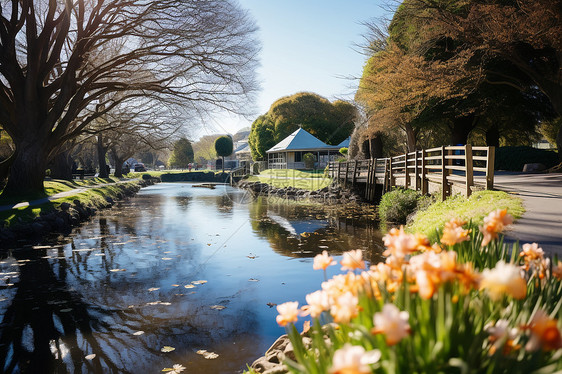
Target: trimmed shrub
395	206
309	159
514	158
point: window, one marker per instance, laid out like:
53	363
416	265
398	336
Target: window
298	156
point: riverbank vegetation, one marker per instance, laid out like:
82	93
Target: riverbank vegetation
463	303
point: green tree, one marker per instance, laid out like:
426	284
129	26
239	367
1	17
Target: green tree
329	122
224	147
182	154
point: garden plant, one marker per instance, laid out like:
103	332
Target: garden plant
466	304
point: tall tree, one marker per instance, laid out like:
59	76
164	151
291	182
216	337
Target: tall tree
59	60
182	154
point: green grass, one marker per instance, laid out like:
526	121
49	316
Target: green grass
309	184
475	208
292	173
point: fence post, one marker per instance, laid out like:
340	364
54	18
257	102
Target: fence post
444	185
416	172
339	172
406	175
353	178
346	173
490	168
390	179
469	172
424	182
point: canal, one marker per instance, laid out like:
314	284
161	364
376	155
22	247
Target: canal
175	275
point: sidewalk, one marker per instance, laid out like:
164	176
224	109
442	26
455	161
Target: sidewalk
59	195
542	199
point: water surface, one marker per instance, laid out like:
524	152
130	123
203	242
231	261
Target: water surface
189	268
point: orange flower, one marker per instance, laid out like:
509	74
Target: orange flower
353	260
353	359
502	335
288	313
345	308
322	261
503	279
430	269
531	252
453	232
400	244
494	223
534	259
317	303
544	333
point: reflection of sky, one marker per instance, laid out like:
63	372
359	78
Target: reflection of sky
135	261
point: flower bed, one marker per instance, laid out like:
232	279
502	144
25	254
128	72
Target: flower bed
467	303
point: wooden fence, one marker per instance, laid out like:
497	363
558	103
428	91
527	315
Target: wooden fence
454	168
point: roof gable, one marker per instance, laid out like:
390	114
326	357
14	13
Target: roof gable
299	139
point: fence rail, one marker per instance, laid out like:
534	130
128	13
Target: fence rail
460	167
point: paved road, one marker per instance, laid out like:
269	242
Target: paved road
542	198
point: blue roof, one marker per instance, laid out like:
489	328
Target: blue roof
345	143
300	140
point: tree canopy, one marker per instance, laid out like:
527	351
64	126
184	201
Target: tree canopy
182	154
60	61
224	146
330	122
463	66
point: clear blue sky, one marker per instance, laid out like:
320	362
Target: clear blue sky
307	45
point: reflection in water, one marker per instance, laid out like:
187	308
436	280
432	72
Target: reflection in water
175	266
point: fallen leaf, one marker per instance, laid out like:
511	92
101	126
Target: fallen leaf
305	327
90	357
153	289
167	348
199	282
115	270
253	280
175	285
218	307
137	333
189	286
207	355
271	305
251	256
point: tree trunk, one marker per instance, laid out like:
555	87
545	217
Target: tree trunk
61	166
461	129
118	164
411	136
101	158
27	171
5	167
223	164
375	146
493	137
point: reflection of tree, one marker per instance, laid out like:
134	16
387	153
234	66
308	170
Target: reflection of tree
48	326
348	229
183	201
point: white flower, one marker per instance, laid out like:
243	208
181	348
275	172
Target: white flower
177	369
322	261
353	260
288	313
393	323
503	279
317	303
344	308
353	359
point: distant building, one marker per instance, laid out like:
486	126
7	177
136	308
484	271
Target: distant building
288	153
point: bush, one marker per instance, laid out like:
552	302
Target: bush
395	206
309	159
513	158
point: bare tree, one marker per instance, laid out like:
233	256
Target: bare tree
63	59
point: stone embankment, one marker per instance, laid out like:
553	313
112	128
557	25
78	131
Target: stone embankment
332	193
62	219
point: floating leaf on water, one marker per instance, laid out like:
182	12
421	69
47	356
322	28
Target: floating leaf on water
175	285
323	246
207	355
199	282
116	270
253	280
166	258
90	357
167	348
252	256
153	289
271	305
165	303
189	286
218	307
208	244
137	333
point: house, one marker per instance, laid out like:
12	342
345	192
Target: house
288	153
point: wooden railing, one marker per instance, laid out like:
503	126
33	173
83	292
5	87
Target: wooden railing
448	168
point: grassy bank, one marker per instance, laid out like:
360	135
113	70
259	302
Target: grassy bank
93	196
475	208
305	180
